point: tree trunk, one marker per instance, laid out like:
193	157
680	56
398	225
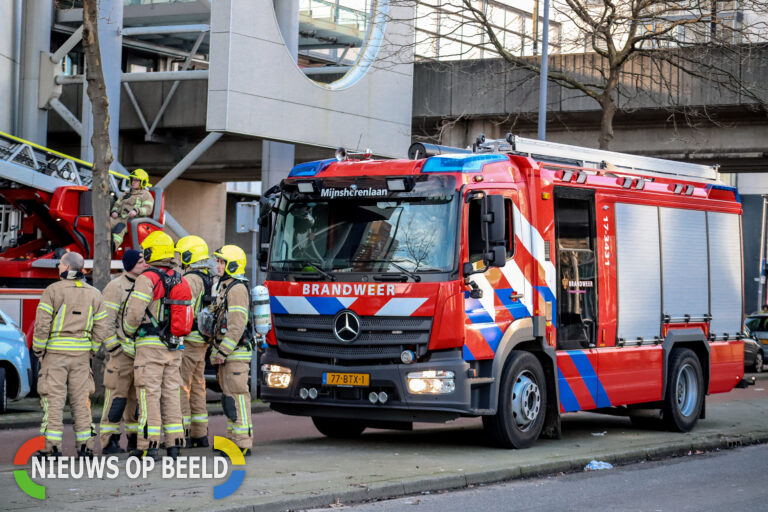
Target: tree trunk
102	159
608	104
102	150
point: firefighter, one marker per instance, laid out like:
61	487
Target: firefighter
120	397
232	344
70	326
193	254
135	202
156	366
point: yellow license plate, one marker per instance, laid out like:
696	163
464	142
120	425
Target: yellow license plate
346	379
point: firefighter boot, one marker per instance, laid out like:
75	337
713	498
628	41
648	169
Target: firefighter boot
55	453
174	451
150	452
131	442
199	442
84	451
113	446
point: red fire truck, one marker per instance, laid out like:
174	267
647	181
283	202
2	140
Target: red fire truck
517	281
45	211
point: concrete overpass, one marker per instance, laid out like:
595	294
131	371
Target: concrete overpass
456	101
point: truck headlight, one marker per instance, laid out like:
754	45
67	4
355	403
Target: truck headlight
276	376
431	382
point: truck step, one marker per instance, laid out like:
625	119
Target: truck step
481	381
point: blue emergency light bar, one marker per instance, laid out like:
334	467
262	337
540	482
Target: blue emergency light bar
461	163
311	168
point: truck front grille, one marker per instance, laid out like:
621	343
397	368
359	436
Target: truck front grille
381	339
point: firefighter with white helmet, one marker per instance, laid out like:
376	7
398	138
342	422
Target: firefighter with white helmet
233	344
137	201
151	316
193	254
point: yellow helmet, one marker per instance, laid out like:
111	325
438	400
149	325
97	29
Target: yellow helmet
192	249
157	246
234	258
142	176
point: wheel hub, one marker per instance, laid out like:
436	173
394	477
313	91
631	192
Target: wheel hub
687	390
526	400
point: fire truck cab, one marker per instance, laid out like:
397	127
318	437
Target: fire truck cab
516	281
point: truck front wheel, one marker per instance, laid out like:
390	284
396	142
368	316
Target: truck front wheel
685	391
522	404
338	428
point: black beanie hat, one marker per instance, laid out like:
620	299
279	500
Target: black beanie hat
130	258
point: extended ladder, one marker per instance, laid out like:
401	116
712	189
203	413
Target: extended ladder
596	158
28	164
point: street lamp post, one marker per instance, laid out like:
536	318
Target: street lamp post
544	72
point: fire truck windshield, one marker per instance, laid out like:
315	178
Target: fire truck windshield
406	235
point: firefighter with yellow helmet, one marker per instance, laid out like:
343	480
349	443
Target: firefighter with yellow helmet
158	314
193	254
135	202
233	344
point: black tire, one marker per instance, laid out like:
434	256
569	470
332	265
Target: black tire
758	366
34	362
339	428
522	404
684	397
3	392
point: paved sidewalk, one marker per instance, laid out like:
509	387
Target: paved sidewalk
315	472
27	413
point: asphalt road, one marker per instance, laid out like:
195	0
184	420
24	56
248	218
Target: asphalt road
270	426
718	481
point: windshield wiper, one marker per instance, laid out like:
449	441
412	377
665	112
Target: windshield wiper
416	278
313	264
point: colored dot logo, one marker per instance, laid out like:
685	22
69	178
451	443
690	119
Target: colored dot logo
237	476
22	476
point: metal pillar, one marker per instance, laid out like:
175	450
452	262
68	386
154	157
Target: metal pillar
287	13
544	73
18	23
110	27
37	19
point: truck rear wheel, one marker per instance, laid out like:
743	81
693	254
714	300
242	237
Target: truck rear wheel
522	404
339	428
684	397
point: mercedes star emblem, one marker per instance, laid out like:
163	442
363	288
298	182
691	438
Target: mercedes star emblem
346	326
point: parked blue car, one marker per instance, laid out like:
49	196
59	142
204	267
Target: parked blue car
15	367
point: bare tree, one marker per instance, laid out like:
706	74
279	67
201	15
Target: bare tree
103	157
615	51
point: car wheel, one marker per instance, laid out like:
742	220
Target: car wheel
339	428
3	392
685	391
522	404
758	366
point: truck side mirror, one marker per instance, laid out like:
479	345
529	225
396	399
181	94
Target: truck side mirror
495	219
265	227
496	256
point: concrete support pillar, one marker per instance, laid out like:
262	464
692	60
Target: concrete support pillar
37	19
10	57
111	43
287	12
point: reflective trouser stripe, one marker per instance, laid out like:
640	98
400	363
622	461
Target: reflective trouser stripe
84	435
142	410
44	424
173	428
199	418
131	428
186	420
108	428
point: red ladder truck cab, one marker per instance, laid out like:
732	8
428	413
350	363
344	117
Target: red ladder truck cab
517	281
